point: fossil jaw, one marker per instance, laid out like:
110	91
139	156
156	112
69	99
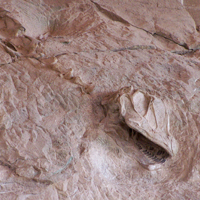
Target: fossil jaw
154	152
148	119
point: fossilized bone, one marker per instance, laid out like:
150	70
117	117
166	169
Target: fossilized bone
148	121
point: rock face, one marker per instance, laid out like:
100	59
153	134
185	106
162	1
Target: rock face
99	100
193	7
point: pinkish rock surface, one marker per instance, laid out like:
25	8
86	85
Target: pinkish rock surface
65	113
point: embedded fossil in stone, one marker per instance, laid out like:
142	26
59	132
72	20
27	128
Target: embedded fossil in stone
148	120
153	151
68	75
9	27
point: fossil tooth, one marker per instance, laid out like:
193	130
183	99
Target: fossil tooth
151	150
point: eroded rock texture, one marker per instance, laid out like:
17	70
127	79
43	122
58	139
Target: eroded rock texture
99	100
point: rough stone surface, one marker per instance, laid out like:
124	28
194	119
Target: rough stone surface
59	61
193	7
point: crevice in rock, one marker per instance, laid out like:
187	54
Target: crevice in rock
186	51
116	17
110	14
134	47
184	45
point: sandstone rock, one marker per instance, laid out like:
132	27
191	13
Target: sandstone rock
64	70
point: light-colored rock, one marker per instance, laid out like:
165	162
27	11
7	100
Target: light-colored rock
63	64
193	7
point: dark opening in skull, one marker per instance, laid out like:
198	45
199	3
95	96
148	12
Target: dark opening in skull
150	149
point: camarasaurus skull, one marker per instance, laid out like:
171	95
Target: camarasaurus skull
147	119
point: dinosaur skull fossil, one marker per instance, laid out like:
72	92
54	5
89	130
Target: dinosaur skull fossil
148	120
